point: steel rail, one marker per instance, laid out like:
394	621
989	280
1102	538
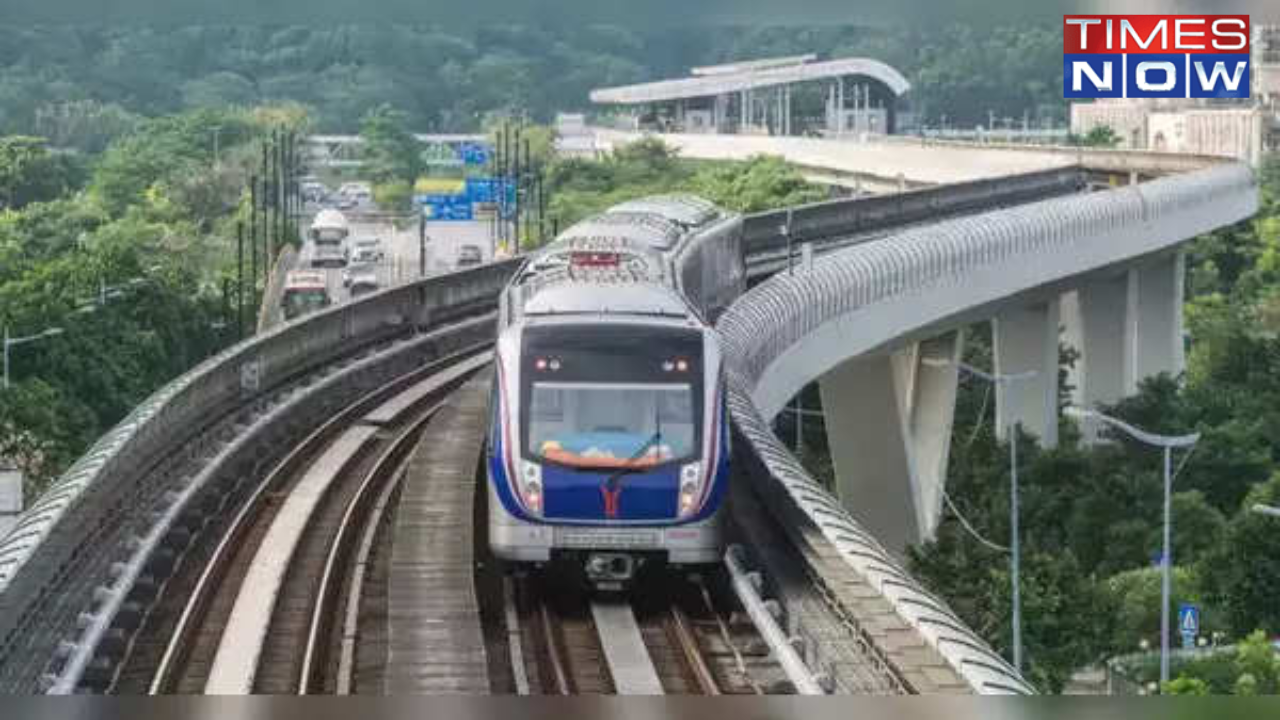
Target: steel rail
689	649
389	465
215	570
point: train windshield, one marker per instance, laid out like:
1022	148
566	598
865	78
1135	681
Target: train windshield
612	397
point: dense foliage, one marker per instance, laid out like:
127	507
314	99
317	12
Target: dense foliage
580	187
125	251
81	85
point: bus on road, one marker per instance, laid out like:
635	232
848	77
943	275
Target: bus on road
305	291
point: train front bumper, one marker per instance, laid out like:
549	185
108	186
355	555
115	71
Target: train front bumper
516	540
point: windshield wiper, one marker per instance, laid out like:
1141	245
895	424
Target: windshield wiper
611	483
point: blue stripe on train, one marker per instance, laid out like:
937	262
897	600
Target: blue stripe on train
575	495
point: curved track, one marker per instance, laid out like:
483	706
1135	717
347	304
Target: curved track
252	606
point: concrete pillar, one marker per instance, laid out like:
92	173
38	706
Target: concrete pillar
1159	324
888	421
1126	328
1105	315
831	108
1026	338
932	415
840	105
786	110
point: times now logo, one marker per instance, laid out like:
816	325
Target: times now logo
1155	56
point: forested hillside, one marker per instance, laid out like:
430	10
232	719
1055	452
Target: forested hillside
77	85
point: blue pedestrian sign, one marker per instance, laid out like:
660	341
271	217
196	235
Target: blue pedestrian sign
1189	622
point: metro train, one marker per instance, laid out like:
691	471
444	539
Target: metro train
609	439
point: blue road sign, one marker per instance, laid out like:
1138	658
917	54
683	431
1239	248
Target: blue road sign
1189	620
474	153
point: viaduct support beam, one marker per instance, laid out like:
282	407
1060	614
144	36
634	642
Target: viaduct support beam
1126	328
1159	327
1026	338
888	419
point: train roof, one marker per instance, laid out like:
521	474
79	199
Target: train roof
607	299
687	210
612	258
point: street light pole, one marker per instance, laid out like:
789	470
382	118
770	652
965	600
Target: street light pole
1015	545
1167	443
422	242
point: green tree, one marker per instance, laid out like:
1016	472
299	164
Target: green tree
391	152
1184	685
761	183
1257	666
30	173
1242	574
1101	136
396	196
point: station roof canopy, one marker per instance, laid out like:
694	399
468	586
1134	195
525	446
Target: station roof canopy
750	75
746	65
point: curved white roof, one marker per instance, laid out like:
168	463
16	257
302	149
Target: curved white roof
750	79
606	298
329	219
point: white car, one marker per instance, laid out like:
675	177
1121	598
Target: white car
356	269
368	250
363	282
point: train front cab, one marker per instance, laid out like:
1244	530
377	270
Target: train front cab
608	448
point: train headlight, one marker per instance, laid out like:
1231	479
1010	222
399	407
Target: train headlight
690	488
530	482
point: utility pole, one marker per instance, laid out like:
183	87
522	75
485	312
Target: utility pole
240	280
506	171
277	189
266	225
1166	443
253	240
422	242
528	170
542	209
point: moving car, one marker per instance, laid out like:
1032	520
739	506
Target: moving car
354	269
364	282
469	255
368	250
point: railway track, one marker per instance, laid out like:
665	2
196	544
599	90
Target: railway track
340	465
673	638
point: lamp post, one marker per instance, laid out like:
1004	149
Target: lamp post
110	292
1167	443
1015	546
10	342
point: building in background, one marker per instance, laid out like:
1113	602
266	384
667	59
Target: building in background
797	95
1242	129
